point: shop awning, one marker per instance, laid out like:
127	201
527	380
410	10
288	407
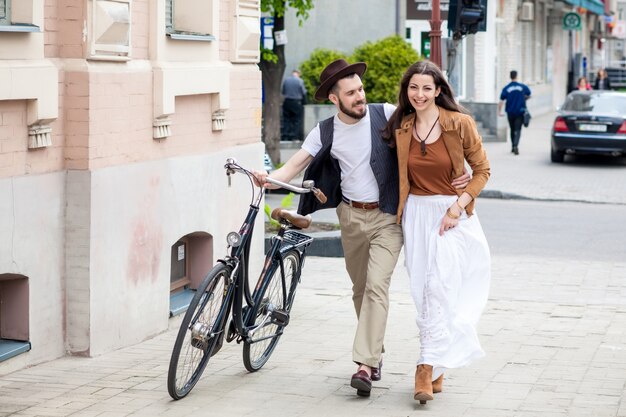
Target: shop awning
594	6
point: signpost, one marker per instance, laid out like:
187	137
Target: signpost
572	21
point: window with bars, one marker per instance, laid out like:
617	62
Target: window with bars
190	19
5	12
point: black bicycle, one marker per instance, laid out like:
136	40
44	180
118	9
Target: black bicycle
258	317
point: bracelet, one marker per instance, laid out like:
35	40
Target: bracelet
452	215
459	206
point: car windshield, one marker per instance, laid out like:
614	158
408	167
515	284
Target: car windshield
596	103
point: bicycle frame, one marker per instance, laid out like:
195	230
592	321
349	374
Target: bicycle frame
238	289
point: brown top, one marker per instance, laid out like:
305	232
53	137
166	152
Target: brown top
463	143
430	174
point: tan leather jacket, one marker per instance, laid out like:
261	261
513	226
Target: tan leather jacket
462	142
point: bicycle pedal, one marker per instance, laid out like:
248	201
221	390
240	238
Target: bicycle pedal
279	317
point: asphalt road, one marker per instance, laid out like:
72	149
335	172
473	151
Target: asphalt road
567	230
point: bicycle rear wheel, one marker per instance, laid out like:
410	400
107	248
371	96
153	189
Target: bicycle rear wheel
201	329
274	297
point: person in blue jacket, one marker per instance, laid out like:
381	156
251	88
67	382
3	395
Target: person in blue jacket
515	95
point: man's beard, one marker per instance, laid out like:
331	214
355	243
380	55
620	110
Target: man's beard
351	113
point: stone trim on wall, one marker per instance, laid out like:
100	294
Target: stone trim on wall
246	31
183	79
109	30
38	83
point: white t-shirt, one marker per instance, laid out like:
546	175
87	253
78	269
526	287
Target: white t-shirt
352	147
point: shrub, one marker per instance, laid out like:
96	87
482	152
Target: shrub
311	69
386	59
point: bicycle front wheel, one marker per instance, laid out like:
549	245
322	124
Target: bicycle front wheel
201	329
267	332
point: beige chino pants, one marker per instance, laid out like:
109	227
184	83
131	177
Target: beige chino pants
371	243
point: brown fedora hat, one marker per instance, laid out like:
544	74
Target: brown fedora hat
334	72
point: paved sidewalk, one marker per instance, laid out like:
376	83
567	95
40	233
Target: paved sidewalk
554	334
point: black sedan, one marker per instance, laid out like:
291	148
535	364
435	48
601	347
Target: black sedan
590	122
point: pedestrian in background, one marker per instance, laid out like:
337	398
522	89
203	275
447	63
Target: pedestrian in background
446	252
515	95
583	84
348	160
602	81
294	94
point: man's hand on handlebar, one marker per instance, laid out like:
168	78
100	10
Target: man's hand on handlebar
260	180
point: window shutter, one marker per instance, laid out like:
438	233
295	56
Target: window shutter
3	11
169	6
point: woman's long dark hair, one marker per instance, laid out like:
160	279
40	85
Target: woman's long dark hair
445	98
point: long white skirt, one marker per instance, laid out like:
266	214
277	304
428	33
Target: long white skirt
449	277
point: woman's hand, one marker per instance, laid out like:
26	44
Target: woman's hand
447	223
462	181
451	218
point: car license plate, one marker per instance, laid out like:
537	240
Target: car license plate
592	128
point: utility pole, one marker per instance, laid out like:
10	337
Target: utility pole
435	33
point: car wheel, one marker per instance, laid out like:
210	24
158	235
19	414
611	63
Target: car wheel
556	156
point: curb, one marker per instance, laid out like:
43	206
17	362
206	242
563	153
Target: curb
511	196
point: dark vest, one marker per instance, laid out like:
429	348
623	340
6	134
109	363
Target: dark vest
325	171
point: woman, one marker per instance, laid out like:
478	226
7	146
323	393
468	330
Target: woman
446	252
583	84
602	81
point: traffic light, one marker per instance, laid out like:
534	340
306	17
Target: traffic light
466	17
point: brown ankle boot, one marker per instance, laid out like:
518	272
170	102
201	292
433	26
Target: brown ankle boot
438	384
423	384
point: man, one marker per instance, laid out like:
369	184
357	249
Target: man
350	162
294	94
515	94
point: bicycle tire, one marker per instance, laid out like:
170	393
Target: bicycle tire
194	345
295	280
256	353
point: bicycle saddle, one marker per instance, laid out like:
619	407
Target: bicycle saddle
299	221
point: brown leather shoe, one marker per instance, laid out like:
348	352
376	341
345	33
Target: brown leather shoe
438	384
362	382
423	384
377	373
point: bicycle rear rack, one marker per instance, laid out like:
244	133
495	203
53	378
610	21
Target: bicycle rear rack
296	239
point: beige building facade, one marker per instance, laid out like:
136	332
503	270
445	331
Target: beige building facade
116	118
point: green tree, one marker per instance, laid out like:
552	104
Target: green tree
272	69
387	60
312	68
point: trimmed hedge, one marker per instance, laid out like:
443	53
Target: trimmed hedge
386	60
311	69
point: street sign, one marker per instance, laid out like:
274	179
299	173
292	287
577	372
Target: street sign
572	21
267	28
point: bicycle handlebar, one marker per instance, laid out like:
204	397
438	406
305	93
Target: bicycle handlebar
307	186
